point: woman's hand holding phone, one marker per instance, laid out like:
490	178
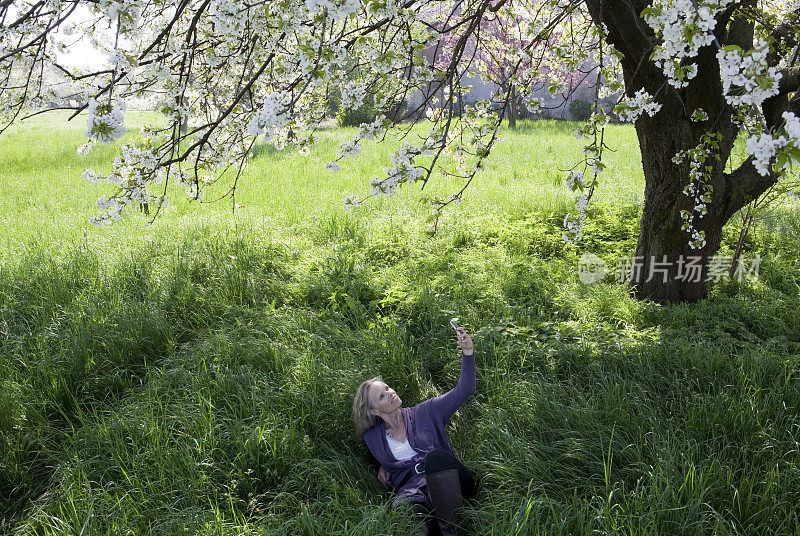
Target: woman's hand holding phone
464	340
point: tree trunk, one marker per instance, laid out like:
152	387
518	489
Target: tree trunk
513	110
665	268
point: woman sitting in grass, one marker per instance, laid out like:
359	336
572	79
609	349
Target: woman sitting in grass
412	447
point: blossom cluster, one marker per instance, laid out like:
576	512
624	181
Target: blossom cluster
351	202
630	108
573	223
126	13
700	193
351	148
575	181
466	146
105	122
225	17
337	9
403	168
353	95
685	26
764	147
592	132
754	81
133	170
699	189
532	104
373	131
122	61
271	118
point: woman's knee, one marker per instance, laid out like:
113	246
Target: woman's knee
440	460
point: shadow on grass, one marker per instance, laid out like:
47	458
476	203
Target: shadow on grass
210	379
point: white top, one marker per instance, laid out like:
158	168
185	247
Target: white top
401	451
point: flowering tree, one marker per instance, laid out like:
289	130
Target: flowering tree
511	52
492	51
696	73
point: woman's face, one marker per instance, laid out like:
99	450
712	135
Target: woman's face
383	399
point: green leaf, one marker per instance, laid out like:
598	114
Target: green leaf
794	154
651	12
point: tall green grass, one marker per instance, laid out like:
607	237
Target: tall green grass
196	376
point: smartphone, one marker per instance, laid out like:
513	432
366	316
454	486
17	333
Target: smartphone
454	324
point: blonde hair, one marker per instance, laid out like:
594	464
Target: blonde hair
364	420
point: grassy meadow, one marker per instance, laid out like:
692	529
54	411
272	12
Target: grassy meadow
195	376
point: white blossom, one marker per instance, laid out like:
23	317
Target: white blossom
90	176
630	108
373	131
84	149
225	16
351	148
351	202
792	126
573	224
763	147
575	181
533	105
748	73
337	9
271	118
122	61
105	122
685	26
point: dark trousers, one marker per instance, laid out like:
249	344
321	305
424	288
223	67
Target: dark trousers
441	460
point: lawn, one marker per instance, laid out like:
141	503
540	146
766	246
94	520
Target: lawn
196	375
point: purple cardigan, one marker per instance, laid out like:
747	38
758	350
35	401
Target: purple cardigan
425	431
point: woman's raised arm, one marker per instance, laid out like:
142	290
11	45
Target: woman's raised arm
447	404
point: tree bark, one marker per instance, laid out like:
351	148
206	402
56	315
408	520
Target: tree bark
665	268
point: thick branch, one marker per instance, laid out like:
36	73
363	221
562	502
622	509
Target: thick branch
741	28
632	37
739	188
774	107
790	81
627	31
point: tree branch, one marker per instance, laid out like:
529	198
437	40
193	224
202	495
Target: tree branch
740	27
790	81
739	188
632	37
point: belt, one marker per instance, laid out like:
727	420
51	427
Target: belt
417	469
